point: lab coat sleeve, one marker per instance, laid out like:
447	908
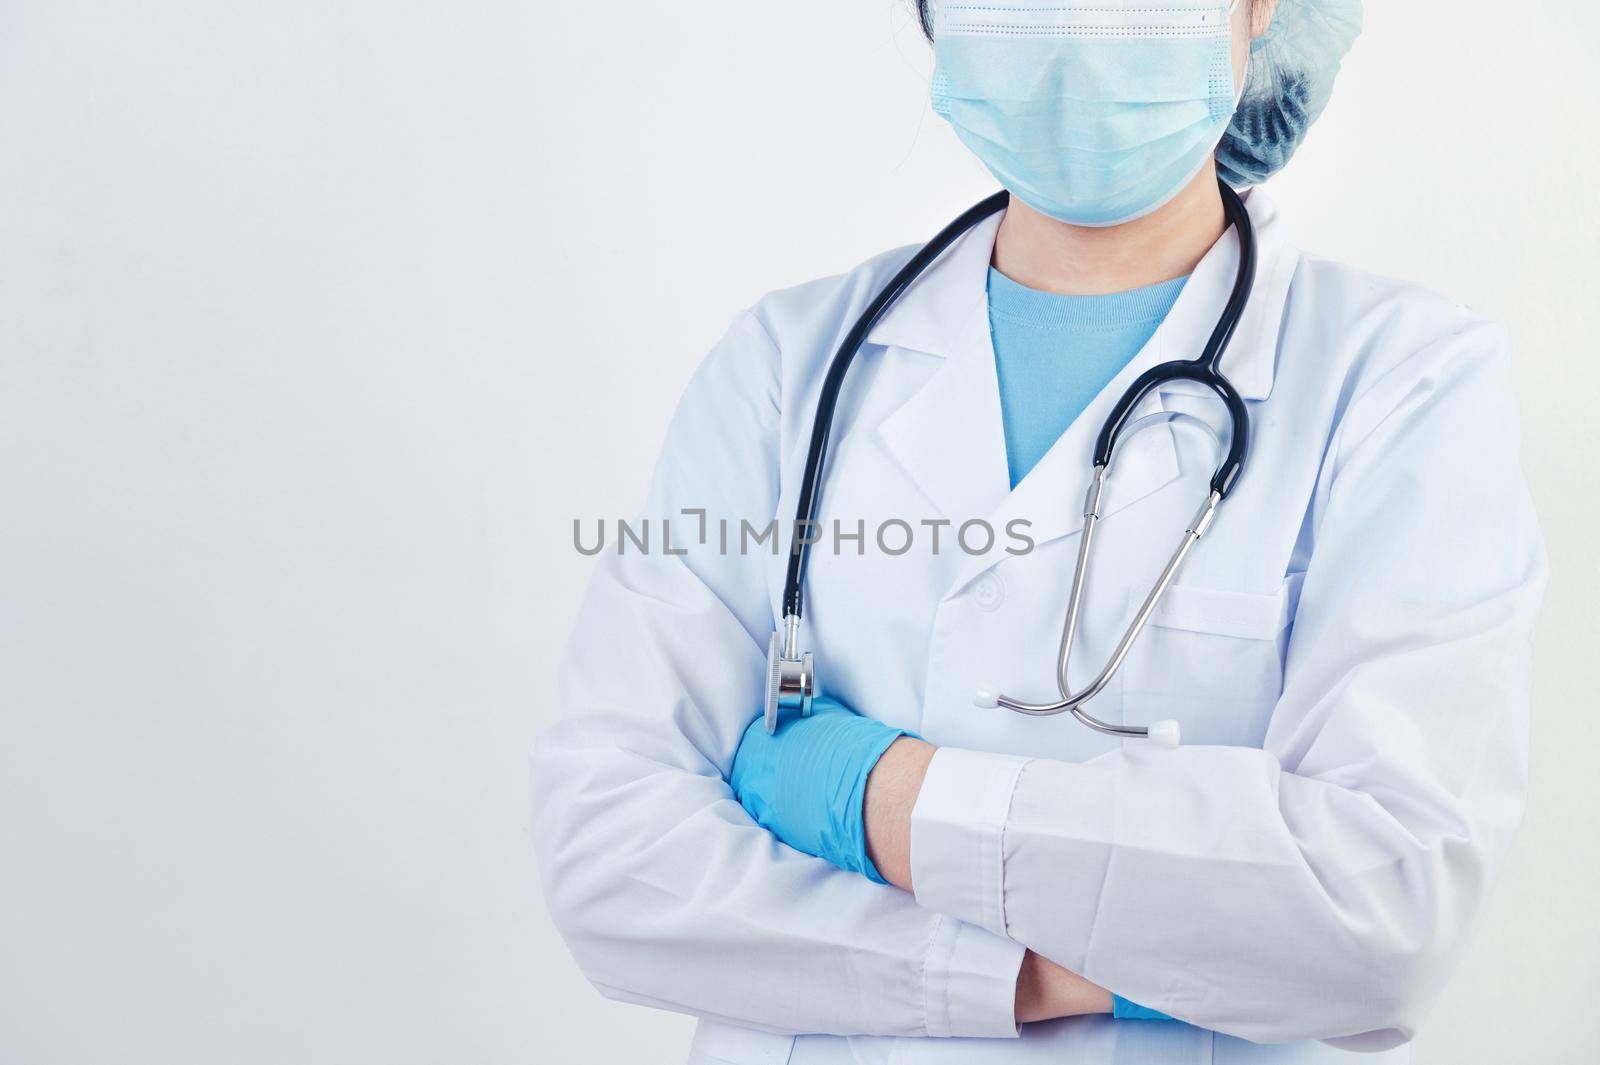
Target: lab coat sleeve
665	890
1320	888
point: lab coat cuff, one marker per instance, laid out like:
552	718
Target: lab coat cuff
958	835
969	983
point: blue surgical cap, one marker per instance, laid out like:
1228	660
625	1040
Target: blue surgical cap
1292	67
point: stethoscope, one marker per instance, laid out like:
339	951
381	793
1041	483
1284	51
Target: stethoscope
791	674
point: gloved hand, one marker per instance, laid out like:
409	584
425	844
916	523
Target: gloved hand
806	783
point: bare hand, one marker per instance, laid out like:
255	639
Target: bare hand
1045	991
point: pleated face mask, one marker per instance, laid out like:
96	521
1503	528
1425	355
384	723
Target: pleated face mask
1095	113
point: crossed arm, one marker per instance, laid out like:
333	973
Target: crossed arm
1319	888
1045	990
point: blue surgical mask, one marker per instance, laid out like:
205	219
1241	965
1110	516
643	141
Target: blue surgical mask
1095	112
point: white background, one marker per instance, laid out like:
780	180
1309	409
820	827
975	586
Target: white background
320	322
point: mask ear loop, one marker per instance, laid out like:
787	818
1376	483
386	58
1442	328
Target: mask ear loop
1250	53
1244	76
1244	79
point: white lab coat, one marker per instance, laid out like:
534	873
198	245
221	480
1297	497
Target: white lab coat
1347	650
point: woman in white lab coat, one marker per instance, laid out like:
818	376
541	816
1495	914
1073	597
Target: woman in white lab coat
1347	651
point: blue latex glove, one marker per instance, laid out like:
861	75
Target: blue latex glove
805	783
1124	1010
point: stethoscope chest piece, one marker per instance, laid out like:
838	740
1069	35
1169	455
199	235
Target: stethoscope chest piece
791	678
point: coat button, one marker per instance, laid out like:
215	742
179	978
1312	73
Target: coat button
988	592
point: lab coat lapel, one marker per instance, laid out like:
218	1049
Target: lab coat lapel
1048	504
949	436
1051	496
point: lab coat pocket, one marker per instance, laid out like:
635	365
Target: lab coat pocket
1212	658
716	1043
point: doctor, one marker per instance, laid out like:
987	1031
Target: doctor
902	876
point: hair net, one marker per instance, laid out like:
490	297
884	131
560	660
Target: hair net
1292	67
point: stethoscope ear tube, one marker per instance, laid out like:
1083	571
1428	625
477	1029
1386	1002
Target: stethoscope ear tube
1204	370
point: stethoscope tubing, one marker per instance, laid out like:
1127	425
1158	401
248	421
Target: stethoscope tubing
793	678
1206	368
828	399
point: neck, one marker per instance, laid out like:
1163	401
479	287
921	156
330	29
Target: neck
1037	251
